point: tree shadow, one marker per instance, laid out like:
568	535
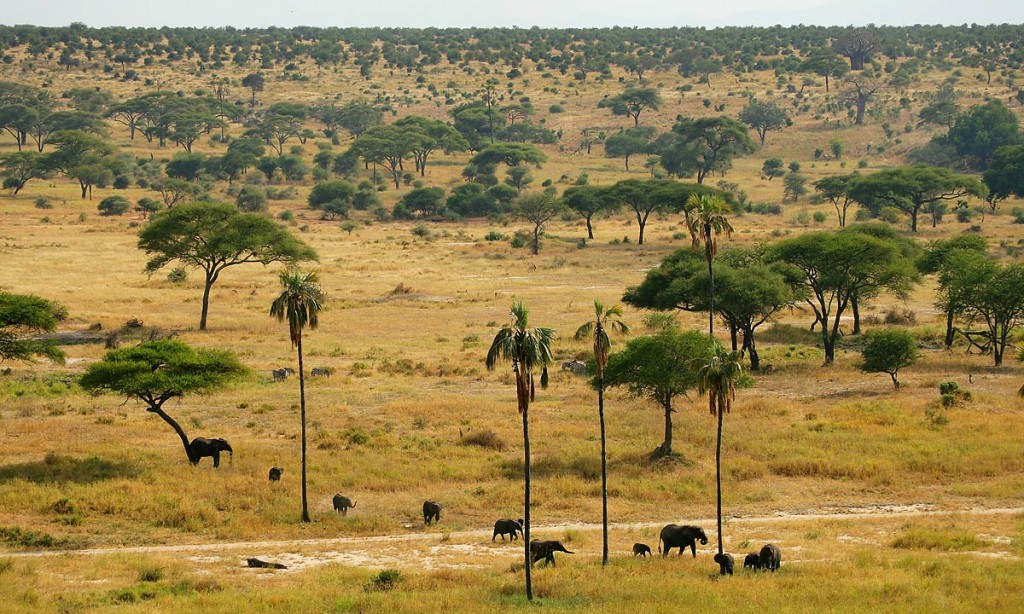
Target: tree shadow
56	469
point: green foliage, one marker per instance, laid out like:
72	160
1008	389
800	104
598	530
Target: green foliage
252	198
978	133
772	167
386	580
909	189
887	351
114	205
705	145
21	314
763	116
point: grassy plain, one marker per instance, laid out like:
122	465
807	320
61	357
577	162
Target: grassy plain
879	499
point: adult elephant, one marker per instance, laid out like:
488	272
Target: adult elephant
201	446
770	557
682	537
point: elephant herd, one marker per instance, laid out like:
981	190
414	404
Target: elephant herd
687	536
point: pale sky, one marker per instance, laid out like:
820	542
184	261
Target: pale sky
505	13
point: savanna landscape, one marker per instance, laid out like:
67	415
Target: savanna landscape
413	186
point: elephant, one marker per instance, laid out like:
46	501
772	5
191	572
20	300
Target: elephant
201	446
752	560
546	550
725	563
342	503
275	474
641	550
513	528
431	510
254	562
770	558
576	367
682	537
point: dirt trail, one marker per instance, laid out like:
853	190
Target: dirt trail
467	549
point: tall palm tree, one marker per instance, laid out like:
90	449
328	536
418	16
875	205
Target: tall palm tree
528	349
705	217
718	376
300	303
604	319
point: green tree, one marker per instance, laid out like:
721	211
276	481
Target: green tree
538	209
632	102
718	375
629	142
528	349
826	63
1004	176
332	197
509	154
588	201
659	367
356	117
794	185
155	372
388	145
598	329
940	113
979	132
114	205
835	267
940	258
300	303
81	156
432	134
214	237
910	188
20	167
836	189
987	292
888	350
858	90
255	82
764	116
705	145
22	314
772	168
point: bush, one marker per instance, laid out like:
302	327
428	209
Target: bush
484	439
114	205
888	350
252	198
386	580
178	275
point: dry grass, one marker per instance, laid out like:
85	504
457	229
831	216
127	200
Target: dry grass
409	381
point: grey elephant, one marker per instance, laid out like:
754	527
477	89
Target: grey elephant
770	557
275	474
725	563
752	560
504	526
641	550
342	503
546	550
682	537
431	511
201	446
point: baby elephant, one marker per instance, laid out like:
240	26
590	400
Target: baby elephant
752	560
512	528
342	503
546	550
431	510
641	550
275	474
725	563
770	558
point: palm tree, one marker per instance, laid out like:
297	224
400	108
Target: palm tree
598	328
528	349
718	376
705	217
300	303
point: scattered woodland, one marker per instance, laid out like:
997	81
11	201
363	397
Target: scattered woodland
420	274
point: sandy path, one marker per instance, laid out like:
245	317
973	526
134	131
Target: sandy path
469	549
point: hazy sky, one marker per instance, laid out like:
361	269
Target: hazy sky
521	13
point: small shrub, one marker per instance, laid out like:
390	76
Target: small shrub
494	235
484	439
43	202
178	275
114	205
386	580
151	574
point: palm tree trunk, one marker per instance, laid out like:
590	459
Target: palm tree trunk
302	406
526	502
604	472
718	477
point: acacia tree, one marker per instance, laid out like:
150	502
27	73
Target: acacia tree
911	188
629	142
835	267
705	145
155	372
588	201
22	314
940	257
528	349
538	209
825	63
763	116
718	375
659	367
300	304
836	188
987	292
598	328
632	102
215	236
432	135
255	82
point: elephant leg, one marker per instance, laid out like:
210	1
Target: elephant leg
216	459
693	548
